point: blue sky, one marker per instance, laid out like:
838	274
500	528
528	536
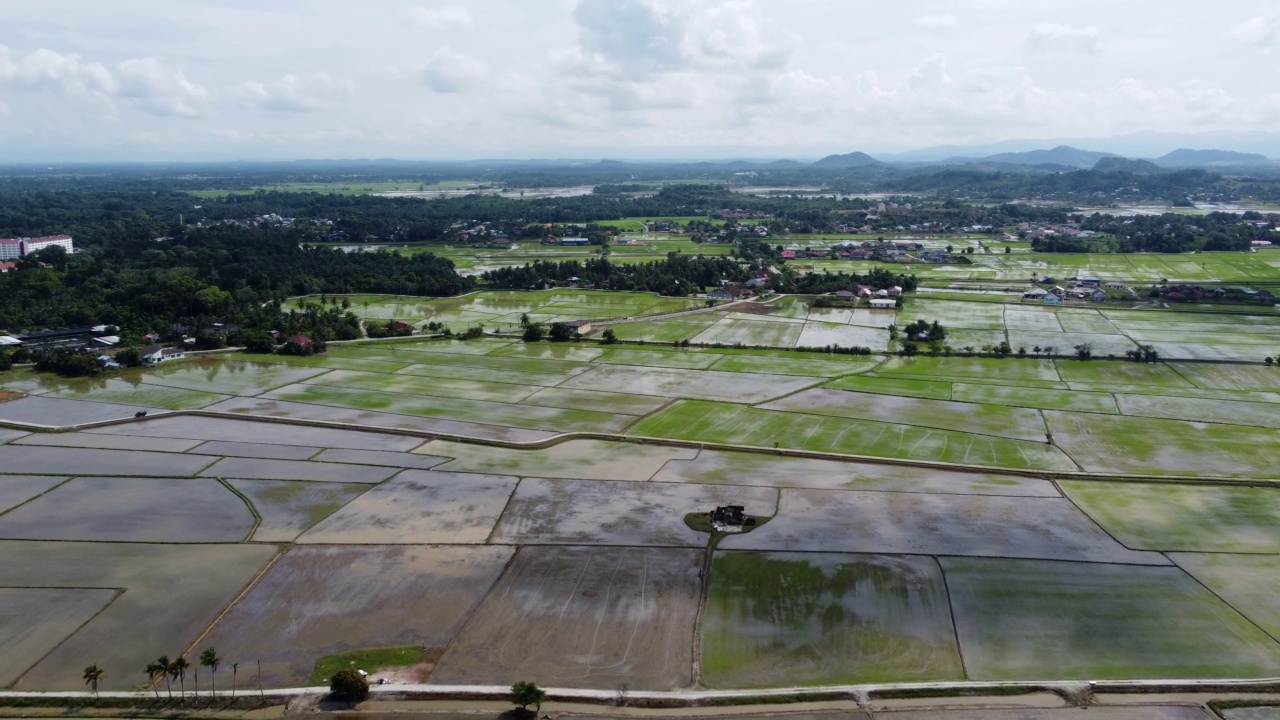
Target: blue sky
240	79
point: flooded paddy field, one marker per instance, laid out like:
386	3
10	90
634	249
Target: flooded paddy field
317	601
286	509
571	563
419	507
927	524
779	619
1032	619
586	512
584	617
115	509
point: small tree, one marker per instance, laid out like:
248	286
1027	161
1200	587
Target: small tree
1084	351
608	337
524	319
154	670
164	667
525	693
349	685
1269	360
92	676
532	333
560	332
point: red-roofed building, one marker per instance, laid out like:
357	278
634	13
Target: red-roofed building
7	266
788	254
301	341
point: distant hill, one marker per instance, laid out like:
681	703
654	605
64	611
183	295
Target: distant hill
1198	158
785	164
851	160
1061	155
1119	164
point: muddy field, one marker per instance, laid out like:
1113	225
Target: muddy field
317	601
584	617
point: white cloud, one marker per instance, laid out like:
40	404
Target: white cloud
448	71
159	90
445	18
937	23
1062	39
638	39
1263	31
293	93
44	68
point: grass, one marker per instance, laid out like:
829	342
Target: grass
370	660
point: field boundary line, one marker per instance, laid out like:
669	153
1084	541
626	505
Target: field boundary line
667	442
235	601
37	496
257	519
81	626
951	610
1221	599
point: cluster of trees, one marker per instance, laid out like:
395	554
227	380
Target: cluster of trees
175	669
201	276
820	283
677	275
1169	233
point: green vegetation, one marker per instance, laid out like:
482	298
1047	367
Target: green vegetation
370	660
783	618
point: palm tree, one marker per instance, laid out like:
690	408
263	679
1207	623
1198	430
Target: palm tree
234	668
165	667
209	658
179	672
92	676
155	670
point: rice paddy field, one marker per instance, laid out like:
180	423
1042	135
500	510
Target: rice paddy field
518	511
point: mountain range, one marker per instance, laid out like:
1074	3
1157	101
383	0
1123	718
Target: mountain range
1066	157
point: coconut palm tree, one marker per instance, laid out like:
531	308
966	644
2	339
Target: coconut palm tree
92	676
234	667
209	658
154	670
165	667
178	670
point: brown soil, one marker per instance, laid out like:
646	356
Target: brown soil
752	308
9	395
408	675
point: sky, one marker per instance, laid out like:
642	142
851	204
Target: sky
110	80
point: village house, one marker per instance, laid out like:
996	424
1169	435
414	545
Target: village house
155	354
883	304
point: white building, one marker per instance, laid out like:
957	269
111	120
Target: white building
156	355
883	304
14	248
34	245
